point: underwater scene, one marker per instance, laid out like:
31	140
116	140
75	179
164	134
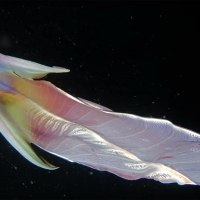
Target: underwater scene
99	100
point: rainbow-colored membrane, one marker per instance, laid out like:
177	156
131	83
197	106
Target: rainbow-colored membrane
81	131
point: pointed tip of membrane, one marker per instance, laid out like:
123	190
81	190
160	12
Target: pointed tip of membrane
50	166
61	69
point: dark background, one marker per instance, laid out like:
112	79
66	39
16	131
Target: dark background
140	58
